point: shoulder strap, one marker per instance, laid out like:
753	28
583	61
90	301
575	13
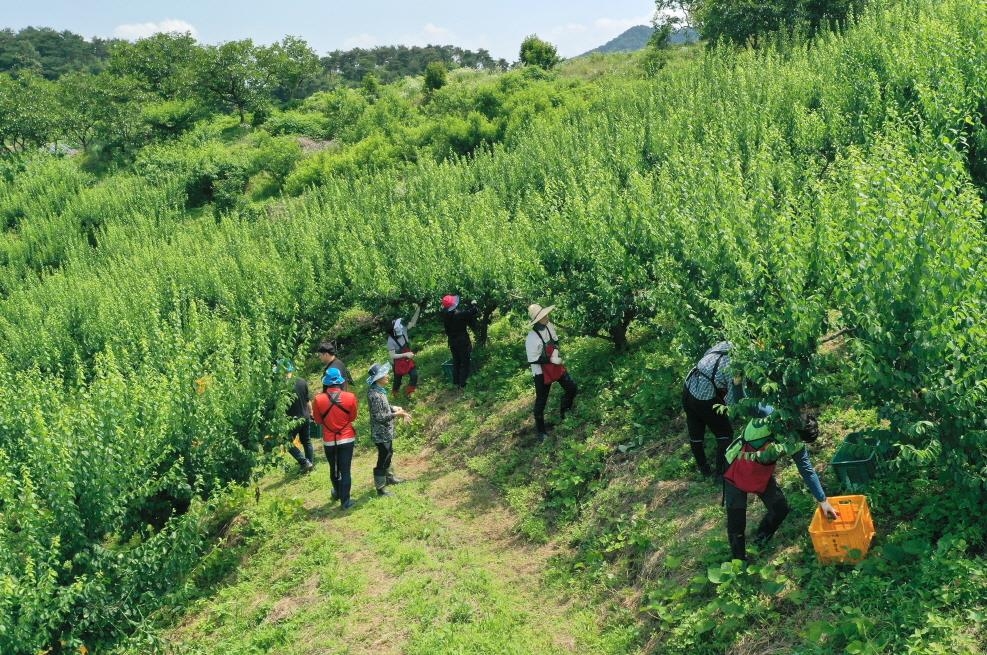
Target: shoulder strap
716	367
333	402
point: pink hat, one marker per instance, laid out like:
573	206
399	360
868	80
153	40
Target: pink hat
450	302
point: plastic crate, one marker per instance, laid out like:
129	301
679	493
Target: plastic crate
853	470
846	539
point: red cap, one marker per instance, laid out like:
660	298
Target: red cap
449	301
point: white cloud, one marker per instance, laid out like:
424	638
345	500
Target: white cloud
134	31
361	41
573	38
436	33
619	25
430	34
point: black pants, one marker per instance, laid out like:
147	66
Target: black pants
461	350
736	505
301	431
699	415
340	460
412	380
541	398
385	452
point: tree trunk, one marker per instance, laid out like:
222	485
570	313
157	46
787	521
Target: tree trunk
618	332
483	324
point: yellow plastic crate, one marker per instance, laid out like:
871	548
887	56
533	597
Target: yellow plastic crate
848	538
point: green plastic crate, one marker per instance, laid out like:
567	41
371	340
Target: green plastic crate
855	462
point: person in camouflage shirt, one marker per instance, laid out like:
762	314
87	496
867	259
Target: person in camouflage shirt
382	415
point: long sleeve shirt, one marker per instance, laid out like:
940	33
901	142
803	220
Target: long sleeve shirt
381	415
710	378
534	347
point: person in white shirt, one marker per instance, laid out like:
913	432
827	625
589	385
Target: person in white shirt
401	354
542	346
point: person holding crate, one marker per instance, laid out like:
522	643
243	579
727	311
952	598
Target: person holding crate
401	354
751	460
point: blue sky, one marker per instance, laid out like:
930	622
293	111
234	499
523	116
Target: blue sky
574	26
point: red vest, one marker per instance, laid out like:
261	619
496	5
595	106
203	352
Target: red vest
336	418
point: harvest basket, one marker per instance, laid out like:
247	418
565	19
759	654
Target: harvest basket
846	539
855	462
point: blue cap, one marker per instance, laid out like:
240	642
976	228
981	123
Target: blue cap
333	378
285	365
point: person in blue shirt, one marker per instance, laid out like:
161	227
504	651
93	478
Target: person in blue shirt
751	462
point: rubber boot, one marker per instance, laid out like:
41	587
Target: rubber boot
393	479
738	546
380	482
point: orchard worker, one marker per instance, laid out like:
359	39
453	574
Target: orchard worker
547	367
752	458
707	385
401	354
327	355
301	412
456	320
335	410
382	415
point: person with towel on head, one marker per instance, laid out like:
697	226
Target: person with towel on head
382	415
547	367
456	320
401	354
335	410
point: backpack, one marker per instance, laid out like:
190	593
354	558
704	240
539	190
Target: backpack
751	459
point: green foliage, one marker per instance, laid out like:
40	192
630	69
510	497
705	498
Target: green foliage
536	52
435	76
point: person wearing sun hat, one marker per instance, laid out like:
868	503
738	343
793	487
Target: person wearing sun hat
382	415
335	410
456	319
542	347
301	414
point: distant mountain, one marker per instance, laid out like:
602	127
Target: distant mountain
637	37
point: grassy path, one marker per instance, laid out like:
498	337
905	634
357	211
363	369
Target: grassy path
435	568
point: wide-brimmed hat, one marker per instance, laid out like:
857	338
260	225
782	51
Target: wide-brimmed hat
536	312
284	365
376	372
398	327
333	378
450	302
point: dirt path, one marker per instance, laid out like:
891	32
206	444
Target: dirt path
434	569
441	553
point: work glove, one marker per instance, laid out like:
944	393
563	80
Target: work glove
555	358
